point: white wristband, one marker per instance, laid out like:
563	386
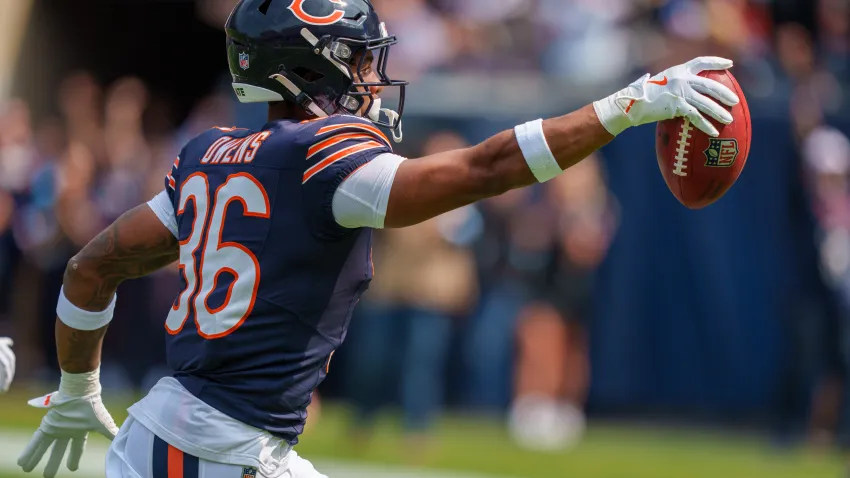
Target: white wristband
80	319
536	151
78	385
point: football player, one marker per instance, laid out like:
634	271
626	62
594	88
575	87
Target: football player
7	364
272	231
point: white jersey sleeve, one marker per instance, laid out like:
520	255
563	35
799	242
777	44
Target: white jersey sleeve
361	200
163	208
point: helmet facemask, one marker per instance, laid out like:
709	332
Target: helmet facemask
350	56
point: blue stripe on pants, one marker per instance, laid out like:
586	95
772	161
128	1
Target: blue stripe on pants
159	464
190	466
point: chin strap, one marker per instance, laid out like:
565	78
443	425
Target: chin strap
375	115
300	97
398	135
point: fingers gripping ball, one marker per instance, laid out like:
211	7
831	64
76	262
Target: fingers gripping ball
697	168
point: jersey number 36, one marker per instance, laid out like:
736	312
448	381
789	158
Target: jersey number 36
217	257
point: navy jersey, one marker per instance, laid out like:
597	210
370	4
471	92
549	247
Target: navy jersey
270	280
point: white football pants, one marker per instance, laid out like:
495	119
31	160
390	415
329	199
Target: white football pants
137	453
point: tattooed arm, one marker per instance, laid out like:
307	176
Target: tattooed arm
135	245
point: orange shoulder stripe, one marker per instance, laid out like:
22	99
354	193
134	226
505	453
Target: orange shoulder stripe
323	145
341	154
360	126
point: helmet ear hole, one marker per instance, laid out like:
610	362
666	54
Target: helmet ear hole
308	75
264	7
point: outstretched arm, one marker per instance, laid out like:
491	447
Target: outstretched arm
427	187
135	245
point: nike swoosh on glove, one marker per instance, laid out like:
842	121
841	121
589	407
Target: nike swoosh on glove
7	364
72	412
677	92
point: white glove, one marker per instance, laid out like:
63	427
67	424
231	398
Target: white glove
673	93
7	364
72	412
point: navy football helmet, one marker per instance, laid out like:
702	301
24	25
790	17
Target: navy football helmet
312	53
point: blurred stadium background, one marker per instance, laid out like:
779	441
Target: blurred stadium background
589	328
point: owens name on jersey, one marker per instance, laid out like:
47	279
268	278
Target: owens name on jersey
269	278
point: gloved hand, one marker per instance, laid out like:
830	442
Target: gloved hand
7	364
72	412
673	93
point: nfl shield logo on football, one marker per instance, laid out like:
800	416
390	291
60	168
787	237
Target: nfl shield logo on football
721	153
243	61
249	472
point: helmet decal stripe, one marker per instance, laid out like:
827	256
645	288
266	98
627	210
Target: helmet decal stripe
297	9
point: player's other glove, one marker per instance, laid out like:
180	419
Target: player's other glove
7	364
673	93
72	412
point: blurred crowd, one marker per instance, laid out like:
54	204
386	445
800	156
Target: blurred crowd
502	290
63	180
587	41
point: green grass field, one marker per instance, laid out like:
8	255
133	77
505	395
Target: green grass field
482	446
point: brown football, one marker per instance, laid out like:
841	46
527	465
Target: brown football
697	168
